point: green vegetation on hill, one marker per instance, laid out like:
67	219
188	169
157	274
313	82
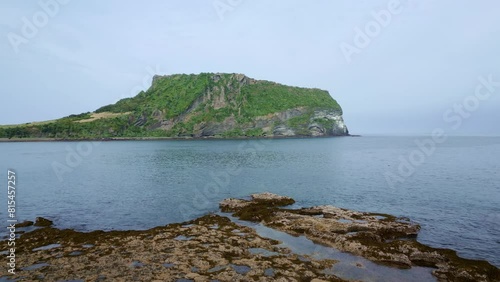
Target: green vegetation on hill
266	97
179	105
173	93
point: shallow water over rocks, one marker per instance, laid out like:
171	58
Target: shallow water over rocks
348	266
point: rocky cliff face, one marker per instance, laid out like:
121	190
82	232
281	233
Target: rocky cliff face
227	94
320	123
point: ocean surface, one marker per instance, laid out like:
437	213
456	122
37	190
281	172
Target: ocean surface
453	191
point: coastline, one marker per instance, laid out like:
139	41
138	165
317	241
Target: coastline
27	140
215	247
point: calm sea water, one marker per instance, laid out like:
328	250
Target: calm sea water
454	194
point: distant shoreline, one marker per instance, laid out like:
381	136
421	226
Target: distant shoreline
21	140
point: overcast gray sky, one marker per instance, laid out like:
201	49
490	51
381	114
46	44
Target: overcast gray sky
395	68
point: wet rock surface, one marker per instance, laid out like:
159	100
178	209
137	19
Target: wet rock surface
211	248
42	222
265	199
381	238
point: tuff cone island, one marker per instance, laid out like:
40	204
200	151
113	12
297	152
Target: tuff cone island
207	105
215	248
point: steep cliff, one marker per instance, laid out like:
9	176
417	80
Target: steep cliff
205	105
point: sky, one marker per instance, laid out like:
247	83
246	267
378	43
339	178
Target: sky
397	67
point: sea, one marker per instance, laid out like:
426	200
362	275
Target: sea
450	187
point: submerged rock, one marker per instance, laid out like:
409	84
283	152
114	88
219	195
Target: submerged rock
25	224
43	222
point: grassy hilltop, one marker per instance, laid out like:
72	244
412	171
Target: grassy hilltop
203	105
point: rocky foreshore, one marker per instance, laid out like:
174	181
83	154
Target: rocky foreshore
210	248
381	238
213	248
